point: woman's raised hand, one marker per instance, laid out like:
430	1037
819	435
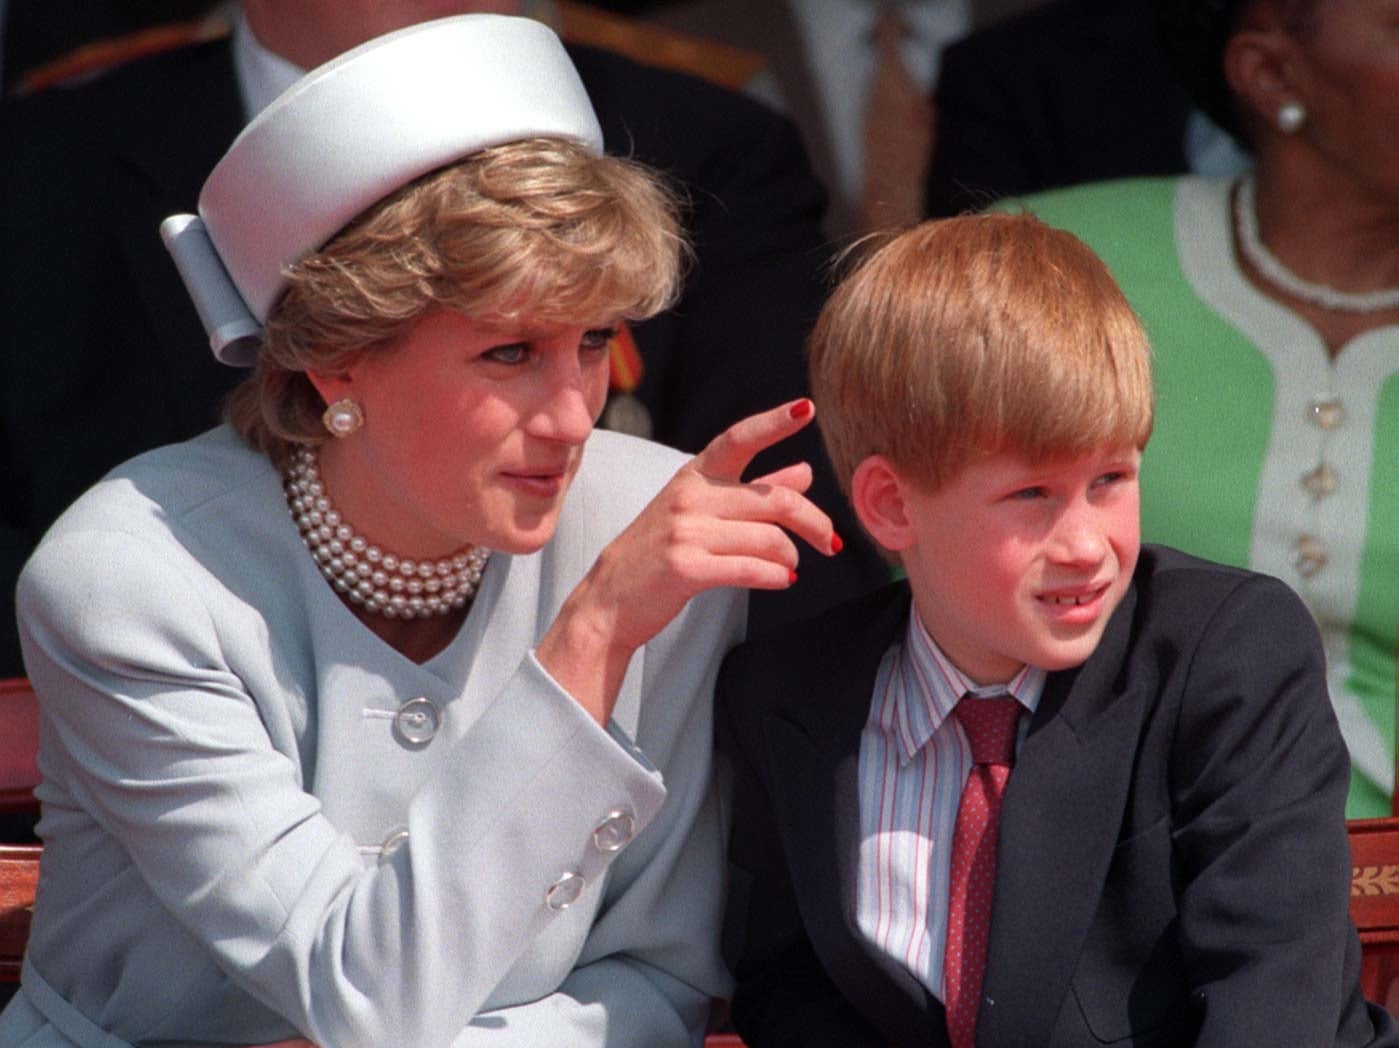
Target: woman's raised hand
706	528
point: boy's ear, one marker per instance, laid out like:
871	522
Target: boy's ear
878	495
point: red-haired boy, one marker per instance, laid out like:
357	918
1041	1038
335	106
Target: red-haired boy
1056	789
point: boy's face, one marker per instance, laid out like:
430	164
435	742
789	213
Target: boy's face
1014	563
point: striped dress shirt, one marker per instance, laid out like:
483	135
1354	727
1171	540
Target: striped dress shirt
914	761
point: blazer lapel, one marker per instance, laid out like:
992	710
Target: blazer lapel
1059	825
813	746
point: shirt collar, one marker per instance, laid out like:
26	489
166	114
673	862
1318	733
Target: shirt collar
930	686
262	75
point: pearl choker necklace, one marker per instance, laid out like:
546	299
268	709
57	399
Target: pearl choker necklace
396	587
1263	260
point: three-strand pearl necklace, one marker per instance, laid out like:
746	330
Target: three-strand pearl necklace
380	582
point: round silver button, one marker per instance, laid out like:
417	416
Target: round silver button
615	831
417	721
564	892
392	843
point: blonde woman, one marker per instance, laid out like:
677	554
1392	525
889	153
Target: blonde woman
381	715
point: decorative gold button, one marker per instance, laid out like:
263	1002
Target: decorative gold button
615	831
417	721
1320	482
564	892
1310	556
1326	412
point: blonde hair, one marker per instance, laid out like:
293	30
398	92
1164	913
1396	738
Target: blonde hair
540	229
977	335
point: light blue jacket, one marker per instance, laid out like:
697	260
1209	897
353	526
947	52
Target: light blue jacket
223	764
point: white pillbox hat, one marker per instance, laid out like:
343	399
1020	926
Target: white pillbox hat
350	133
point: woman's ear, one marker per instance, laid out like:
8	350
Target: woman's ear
1264	69
878	495
332	386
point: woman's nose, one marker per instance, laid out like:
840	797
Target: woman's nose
566	414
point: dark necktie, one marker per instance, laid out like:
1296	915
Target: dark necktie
990	724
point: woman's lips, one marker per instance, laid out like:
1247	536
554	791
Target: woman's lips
545	484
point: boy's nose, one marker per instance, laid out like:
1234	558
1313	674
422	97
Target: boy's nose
1079	538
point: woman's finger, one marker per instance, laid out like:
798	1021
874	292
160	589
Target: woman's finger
797	476
769	503
728	454
746	538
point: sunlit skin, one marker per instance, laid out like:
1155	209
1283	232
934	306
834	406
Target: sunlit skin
1011	562
473	431
1345	70
1328	193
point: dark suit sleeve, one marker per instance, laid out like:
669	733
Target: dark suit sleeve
783	997
102	355
1065	92
1259	776
755	294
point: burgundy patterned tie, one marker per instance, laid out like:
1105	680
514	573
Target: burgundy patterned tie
990	725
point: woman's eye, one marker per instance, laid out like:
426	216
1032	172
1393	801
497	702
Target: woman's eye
598	338
514	353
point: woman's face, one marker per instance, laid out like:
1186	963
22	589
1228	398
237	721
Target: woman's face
1349	61
473	431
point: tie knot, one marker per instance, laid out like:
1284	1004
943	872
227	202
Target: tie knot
990	726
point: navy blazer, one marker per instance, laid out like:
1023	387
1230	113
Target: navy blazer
1068	91
1173	866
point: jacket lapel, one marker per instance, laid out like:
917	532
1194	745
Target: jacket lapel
813	746
1059	825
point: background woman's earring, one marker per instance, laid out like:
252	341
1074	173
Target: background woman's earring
342	418
1291	116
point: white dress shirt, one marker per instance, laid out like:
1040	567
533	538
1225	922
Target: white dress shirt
838	36
914	762
262	76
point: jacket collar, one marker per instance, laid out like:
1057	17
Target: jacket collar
1059	824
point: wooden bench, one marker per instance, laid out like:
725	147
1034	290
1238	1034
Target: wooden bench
19	877
1374	844
19	745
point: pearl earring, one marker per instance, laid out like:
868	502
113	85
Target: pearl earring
342	418
1290	117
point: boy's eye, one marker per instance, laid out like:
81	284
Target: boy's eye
1114	476
598	338
1027	494
513	353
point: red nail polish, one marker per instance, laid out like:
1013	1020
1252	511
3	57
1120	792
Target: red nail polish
801	409
837	543
791	577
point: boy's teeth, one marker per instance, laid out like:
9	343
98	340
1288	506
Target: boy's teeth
1069	600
